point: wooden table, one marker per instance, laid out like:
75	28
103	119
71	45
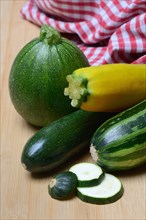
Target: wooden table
24	196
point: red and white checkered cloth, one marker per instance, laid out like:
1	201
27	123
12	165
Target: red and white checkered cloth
107	31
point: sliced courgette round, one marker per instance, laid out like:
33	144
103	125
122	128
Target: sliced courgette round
88	174
108	191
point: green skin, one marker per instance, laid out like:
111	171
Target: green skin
38	77
121	139
89	183
60	140
63	185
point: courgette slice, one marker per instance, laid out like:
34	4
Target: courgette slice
108	191
88	174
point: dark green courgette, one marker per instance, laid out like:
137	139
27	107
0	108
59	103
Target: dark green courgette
60	140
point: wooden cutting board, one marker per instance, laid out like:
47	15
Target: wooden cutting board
25	196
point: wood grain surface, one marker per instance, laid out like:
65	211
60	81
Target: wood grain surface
25	196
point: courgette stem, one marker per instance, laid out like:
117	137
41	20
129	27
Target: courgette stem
52	183
49	35
93	153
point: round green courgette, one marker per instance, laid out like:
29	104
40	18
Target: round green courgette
38	77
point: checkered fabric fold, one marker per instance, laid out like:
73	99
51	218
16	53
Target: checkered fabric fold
107	31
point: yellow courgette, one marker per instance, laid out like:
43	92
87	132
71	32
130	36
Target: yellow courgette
106	88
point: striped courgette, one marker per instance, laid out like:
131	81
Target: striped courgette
120	143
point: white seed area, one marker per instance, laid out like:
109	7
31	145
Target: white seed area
86	171
110	186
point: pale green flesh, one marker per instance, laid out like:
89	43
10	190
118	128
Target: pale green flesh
108	188
86	171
